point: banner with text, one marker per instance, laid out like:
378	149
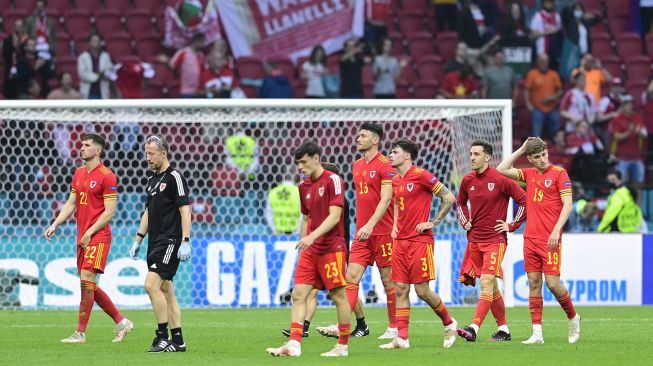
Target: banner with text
269	28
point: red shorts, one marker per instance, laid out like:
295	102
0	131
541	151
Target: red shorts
486	258
94	257
412	262
324	271
376	249
538	258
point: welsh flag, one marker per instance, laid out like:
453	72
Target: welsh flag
187	18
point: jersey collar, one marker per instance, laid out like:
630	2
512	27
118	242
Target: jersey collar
373	158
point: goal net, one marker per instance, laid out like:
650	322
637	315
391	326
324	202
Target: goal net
238	259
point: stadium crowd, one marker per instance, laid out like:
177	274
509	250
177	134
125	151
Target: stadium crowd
578	73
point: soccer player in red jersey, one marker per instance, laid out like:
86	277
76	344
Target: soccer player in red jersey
93	195
548	205
372	243
321	262
488	193
412	251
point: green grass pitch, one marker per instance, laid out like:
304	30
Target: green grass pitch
610	335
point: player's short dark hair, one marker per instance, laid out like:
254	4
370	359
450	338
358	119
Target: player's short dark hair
617	173
331	167
535	146
374	128
97	139
160	141
408	146
310	148
487	148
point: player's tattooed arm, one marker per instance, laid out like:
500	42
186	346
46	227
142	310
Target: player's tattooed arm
447	200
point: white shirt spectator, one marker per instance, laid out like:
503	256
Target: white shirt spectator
314	73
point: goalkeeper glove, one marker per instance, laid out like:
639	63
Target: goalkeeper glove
133	251
184	252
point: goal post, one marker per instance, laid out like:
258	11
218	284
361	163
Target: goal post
238	260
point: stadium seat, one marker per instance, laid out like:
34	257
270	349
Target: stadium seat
78	21
92	6
298	88
635	88
151	5
10	17
148	46
628	44
368	89
58	5
411	23
613	65
249	90
397	43
27	5
250	68
403	90
367	75
616	9
447	42
601	45
425	89
122	6
638	68
138	21
68	64
416	5
126	58
618	24
420	45
81	43
592	6
431	68
162	74
119	44
408	73
160	21
108	21
285	65
63	44
648	43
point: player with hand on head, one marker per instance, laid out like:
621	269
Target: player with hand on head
321	262
412	252
548	205
167	222
488	193
93	197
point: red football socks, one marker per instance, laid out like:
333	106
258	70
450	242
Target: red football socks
535	305
498	309
482	308
403	314
103	300
296	331
85	304
352	295
343	333
443	313
567	306
392	307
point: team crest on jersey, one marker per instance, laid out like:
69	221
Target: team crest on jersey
372	173
547	183
409	187
162	186
320	191
93	184
490	186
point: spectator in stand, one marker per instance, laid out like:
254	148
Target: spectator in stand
589	161
376	13
66	89
595	75
12	49
628	134
460	84
584	140
608	109
558	151
499	79
576	24
460	57
474	27
578	105
131	78
33	90
542	92
514	22
545	29
42	28
646	14
313	70
219	79
31	67
351	69
386	70
275	84
188	63
93	68
622	214
446	15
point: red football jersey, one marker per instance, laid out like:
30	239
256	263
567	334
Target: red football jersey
488	194
413	194
316	197
92	189
369	177
543	199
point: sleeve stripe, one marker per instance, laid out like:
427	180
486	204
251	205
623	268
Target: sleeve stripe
73	191
110	195
520	213
437	187
520	175
461	216
336	183
180	185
